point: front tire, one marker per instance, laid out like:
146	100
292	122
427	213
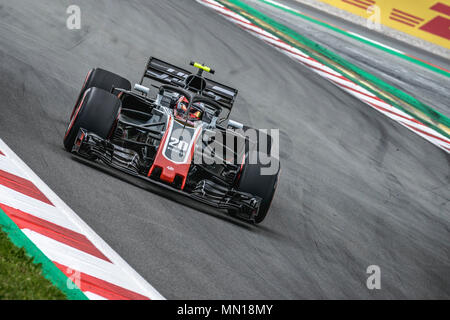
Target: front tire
102	79
263	186
96	112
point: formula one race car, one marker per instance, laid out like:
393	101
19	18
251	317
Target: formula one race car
181	139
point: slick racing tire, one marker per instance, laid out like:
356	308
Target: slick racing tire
102	79
263	141
97	113
263	186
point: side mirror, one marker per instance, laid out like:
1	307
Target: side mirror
235	124
142	89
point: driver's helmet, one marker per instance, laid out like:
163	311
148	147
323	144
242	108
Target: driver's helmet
181	110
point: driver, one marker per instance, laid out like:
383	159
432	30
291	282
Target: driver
181	109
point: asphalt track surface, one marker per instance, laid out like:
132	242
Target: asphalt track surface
356	189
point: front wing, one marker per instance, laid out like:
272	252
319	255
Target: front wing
96	150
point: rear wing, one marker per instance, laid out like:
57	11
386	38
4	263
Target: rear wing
167	73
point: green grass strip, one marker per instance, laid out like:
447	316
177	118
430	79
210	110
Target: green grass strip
25	272
381	89
356	37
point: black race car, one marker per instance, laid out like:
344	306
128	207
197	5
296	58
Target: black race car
180	139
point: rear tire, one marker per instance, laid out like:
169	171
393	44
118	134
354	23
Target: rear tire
97	112
263	186
102	79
